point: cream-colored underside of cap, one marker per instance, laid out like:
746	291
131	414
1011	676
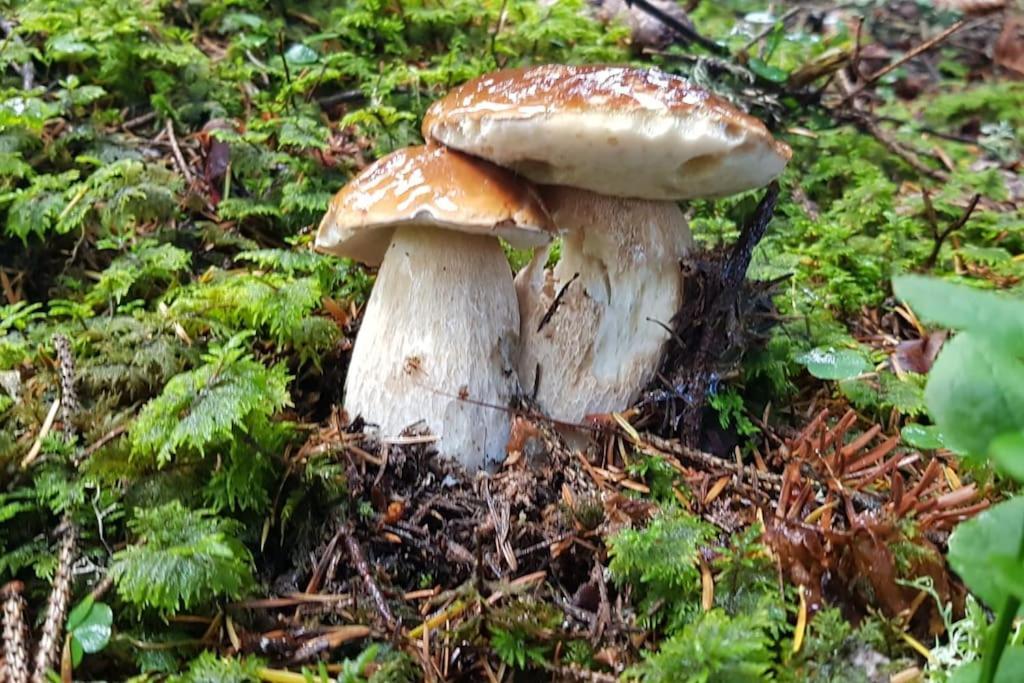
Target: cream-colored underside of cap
648	155
368	243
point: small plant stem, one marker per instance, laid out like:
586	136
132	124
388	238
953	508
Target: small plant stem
1001	632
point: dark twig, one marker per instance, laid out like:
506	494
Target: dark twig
941	237
15	645
603	616
866	122
86	453
763	33
554	304
57	608
684	31
359	560
722	300
914	52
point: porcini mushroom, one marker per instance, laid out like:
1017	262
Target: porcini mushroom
438	338
622	145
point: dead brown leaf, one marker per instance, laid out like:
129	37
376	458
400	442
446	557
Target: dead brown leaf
1009	48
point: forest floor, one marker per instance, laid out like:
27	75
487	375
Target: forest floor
181	497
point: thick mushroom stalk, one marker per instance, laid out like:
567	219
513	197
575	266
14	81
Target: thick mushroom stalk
437	342
621	132
594	327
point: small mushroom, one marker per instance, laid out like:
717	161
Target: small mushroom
622	145
440	332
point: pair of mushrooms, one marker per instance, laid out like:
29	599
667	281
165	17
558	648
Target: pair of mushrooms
448	337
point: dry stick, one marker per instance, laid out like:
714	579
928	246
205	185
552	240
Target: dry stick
890	143
941	237
707	459
733	272
914	52
99	443
37	447
769	28
178	157
57	608
359	560
15	647
686	32
865	121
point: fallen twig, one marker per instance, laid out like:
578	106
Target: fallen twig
359	560
940	237
721	301
687	33
914	52
33	452
179	159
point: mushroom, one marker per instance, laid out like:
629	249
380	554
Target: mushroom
621	146
440	332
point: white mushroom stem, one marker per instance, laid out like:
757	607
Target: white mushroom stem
437	343
601	344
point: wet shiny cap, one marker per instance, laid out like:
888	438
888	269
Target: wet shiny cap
615	130
434	187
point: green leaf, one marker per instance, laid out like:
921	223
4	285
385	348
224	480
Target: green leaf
999	317
94	633
79	613
996	532
1011	668
1008	452
772	73
89	625
925	437
1009	574
975	393
834	364
301	55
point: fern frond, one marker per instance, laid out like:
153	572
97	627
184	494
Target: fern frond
183	558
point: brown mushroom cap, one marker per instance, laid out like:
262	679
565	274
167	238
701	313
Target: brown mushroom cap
430	186
614	130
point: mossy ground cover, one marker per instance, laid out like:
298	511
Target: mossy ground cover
209	514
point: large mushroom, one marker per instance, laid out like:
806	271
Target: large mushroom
440	332
618	146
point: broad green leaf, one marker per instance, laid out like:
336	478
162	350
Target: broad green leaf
975	393
89	625
1009	574
79	613
835	364
925	437
771	73
1008	452
1011	668
301	54
998	316
996	532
